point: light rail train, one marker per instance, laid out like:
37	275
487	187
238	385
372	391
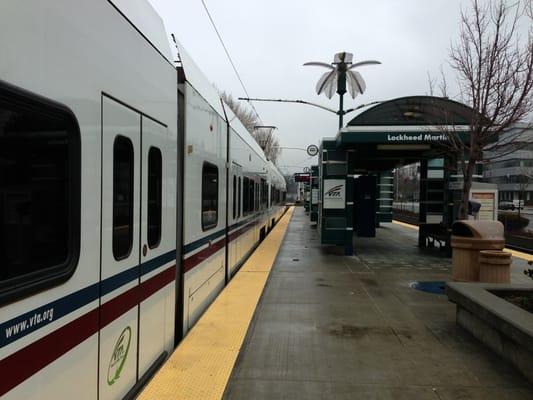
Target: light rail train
129	197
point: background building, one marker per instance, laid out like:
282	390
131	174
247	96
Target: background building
513	172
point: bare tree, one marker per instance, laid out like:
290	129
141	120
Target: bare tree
263	136
268	142
246	115
431	84
494	69
443	84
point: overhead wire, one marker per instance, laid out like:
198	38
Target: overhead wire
229	57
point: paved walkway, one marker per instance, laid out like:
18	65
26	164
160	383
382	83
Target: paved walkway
201	365
335	327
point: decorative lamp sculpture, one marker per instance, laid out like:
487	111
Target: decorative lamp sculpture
341	74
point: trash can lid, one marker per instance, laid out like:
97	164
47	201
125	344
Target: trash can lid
495	254
478	229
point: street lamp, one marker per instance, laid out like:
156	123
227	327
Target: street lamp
340	77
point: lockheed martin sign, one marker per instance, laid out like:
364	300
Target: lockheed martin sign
418	137
395	137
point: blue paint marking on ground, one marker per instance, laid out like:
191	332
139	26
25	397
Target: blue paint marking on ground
435	287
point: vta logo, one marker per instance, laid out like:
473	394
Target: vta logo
118	358
335	191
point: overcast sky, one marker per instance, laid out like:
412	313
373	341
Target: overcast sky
270	40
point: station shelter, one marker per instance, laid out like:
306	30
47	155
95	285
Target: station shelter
355	168
314	191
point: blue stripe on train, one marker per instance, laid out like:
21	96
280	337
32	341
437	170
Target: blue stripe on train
200	242
27	322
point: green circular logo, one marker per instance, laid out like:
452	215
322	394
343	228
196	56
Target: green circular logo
118	358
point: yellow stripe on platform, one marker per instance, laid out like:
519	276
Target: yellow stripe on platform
515	253
405	225
201	365
519	254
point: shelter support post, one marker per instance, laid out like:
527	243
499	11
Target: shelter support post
450	210
423	198
450	168
350	197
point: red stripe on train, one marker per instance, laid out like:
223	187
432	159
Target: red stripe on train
202	255
195	259
19	366
29	360
121	304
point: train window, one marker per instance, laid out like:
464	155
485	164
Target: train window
251	195
239	198
39	193
264	193
155	180
122	197
246	195
234	197
256	196
209	196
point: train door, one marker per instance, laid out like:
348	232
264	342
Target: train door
236	214
137	250
157	244
120	250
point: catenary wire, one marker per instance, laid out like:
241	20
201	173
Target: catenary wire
229	57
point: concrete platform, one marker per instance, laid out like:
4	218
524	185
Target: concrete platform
335	327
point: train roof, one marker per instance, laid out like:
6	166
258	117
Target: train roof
198	80
148	23
277	173
242	132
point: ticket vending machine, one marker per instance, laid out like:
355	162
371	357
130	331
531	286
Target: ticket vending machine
365	206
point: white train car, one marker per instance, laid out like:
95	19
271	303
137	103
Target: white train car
116	193
88	196
227	207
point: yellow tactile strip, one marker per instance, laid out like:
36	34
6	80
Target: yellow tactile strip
515	253
405	225
201	365
519	254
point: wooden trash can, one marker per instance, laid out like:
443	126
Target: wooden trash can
468	239
494	266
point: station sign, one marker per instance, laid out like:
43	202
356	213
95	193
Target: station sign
314	196
456	185
312	150
348	137
487	200
416	137
334	193
302	178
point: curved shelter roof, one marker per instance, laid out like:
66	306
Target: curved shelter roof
415	110
403	131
